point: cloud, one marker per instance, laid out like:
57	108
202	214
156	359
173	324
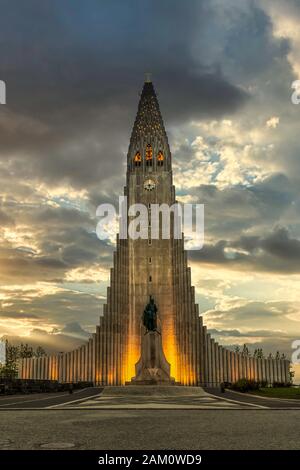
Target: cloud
276	252
223	72
66	339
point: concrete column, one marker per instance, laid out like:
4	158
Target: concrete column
30	368
233	367
86	359
38	368
225	371
217	363
42	368
94	359
221	364
26	368
240	365
80	364
279	370
51	367
101	343
75	377
97	355
34	367
201	359
45	365
67	367
63	367
271	371
287	371
105	350
258	362
275	370
209	361
227	358
205	354
60	367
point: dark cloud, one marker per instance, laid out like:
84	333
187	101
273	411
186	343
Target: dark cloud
72	95
238	208
245	334
74	329
58	307
65	239
9	314
276	252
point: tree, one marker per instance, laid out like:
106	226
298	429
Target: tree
10	369
13	354
245	351
26	351
258	353
40	352
237	349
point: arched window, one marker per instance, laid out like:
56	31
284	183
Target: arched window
160	158
137	159
149	155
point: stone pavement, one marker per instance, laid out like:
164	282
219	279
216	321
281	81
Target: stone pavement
155	397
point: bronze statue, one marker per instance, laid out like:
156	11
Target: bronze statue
150	316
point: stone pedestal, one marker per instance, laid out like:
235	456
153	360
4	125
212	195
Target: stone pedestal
152	367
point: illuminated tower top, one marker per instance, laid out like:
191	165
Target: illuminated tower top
149	148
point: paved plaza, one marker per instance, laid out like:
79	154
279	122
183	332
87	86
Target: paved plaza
150	429
162	418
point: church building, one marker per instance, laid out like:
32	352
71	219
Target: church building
172	346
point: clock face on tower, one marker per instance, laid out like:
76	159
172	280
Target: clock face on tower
149	184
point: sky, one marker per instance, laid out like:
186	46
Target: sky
223	72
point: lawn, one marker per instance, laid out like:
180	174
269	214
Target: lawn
279	392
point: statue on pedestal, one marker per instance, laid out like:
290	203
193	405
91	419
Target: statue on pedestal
150	316
152	367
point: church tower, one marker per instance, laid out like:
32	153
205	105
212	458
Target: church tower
157	267
149	181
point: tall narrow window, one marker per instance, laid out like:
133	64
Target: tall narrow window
160	158
137	159
150	278
149	154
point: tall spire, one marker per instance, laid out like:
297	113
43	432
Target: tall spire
148	129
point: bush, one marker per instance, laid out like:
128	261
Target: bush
245	385
282	384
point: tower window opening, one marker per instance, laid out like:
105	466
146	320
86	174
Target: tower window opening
150	278
149	154
137	159
150	260
149	241
160	158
